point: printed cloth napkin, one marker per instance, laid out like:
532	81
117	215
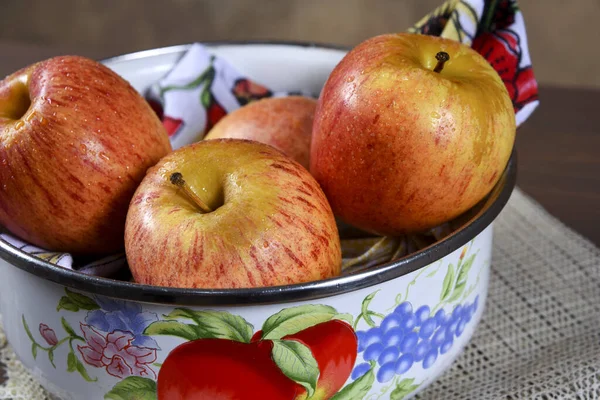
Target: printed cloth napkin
201	89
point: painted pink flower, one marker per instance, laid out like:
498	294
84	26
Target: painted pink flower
116	353
48	334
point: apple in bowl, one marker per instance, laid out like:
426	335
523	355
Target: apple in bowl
230	213
410	131
75	141
282	122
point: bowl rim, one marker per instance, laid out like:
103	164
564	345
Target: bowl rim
125	290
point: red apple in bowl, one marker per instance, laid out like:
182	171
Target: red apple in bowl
230	213
405	139
282	122
75	141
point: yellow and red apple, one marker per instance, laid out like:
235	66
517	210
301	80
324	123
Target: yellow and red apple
403	139
75	141
230	213
282	122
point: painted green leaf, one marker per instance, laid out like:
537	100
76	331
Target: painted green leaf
34	348
448	284
71	362
173	328
65	303
458	291
51	357
217	324
365	308
403	389
81	301
82	371
296	361
358	389
206	97
27	328
68	327
133	388
294	319
344	317
463	273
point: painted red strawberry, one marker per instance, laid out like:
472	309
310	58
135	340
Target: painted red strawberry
172	125
503	51
214	113
246	91
156	107
222	369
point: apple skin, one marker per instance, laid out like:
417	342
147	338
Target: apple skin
282	122
75	141
222	369
399	148
271	224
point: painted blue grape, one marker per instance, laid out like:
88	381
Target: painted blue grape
391	321
386	372
393	337
422	314
360	337
404	308
373	351
440	317
405	337
457	313
389	354
360	370
430	358
409	342
404	363
470	312
427	328
451	329
446	345
438	337
373	335
421	349
409	322
460	328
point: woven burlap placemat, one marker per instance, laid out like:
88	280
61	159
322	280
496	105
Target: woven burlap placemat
540	334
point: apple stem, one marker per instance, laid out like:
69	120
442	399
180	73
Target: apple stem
441	58
177	180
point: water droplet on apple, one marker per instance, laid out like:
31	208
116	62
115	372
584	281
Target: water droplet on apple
104	156
43	121
265	244
19	124
350	79
435	115
83	148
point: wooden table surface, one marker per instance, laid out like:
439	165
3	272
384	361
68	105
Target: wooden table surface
558	147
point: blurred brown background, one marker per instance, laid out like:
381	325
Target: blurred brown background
561	32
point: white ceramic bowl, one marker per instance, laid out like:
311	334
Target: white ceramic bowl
93	338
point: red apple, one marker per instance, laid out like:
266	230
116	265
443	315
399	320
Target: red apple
220	369
403	142
75	141
282	122
241	215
